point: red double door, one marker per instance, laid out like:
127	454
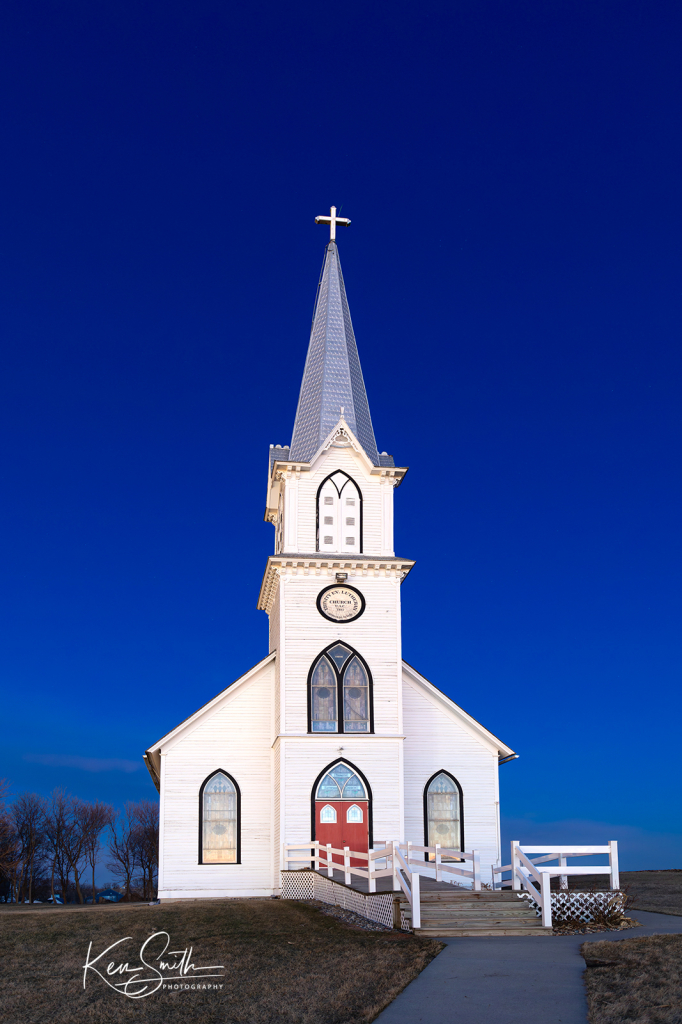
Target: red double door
342	832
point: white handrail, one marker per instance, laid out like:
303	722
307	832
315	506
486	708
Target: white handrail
560	854
403	858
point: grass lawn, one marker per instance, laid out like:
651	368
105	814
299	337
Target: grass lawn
284	962
660	891
635	981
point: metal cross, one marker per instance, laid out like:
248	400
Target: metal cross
332	221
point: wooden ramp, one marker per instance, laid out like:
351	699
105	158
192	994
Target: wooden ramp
474	913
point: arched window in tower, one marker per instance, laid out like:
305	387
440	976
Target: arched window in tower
323	698
339	515
340	691
355	698
219	812
443	813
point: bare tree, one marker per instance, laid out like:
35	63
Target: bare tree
75	840
99	816
147	838
28	814
9	844
123	845
58	823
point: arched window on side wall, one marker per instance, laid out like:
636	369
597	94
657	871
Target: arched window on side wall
219	820
339	515
443	822
340	692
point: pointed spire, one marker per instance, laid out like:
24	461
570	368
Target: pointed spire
332	377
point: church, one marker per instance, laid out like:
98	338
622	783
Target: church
332	736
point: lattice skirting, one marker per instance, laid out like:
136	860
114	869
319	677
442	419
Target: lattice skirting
567	906
309	885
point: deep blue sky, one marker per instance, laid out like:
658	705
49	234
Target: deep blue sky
512	171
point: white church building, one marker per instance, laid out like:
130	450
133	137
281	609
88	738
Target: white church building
332	736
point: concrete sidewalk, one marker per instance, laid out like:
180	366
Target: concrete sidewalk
511	980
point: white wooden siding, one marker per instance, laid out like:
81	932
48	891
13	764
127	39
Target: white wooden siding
435	740
379	761
375	635
237	738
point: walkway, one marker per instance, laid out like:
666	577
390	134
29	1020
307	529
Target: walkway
509	980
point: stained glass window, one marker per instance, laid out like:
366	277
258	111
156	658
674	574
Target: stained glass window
341	784
323	698
354	814
219	821
327	814
340	699
443	813
355	698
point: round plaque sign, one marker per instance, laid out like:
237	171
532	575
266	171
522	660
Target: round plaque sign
340	603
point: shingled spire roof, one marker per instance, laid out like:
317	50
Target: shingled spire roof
332	377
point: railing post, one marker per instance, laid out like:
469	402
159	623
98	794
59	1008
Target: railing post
438	862
492	876
514	865
476	864
371	880
316	855
416	905
546	900
408	854
394	864
613	864
563	879
284	858
330	862
346	864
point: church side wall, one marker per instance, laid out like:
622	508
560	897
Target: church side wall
435	741
236	738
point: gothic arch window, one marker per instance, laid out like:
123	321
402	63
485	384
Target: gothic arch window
443	817
219	820
339	515
342	777
340	692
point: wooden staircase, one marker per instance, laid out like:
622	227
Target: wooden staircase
474	913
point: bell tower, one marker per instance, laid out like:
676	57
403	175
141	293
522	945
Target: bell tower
333	583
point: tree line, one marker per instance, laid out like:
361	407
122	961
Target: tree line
54	844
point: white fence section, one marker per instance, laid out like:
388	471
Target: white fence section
405	863
526	873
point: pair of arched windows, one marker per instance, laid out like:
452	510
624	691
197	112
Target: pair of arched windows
354	815
339	515
340	692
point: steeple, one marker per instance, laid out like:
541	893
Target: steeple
332	377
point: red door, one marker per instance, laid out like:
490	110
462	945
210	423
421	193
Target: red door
350	827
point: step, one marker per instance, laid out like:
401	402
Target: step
434	933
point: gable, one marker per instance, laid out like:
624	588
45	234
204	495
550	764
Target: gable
457	714
152	756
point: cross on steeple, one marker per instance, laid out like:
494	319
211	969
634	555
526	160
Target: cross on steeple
332	221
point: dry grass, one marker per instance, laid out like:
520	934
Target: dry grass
285	963
634	981
660	891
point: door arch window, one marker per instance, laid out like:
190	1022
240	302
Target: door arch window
341	783
327	814
219	820
443	813
354	813
339	514
340	692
